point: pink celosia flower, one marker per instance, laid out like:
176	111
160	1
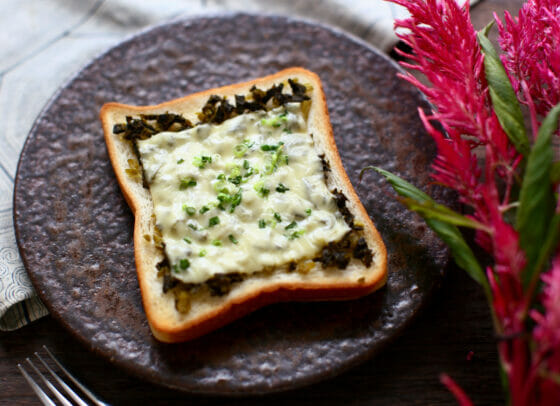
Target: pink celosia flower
456	390
531	43
445	50
546	335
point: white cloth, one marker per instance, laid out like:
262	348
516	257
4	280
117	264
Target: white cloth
45	41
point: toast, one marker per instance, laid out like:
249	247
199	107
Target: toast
240	200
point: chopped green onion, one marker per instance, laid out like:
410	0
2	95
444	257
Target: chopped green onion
189	209
201	161
281	188
249	172
221	176
240	150
235	201
268	147
308	211
187	240
213	221
236	180
187	183
217	243
193	227
273	121
277	217
180	161
262	223
232	239
184	263
224	197
204	209
202	253
296	234
291	225
220	186
261	189
246	164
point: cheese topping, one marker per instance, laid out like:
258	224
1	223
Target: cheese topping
241	196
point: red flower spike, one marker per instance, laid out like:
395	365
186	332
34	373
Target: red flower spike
445	50
531	43
456	390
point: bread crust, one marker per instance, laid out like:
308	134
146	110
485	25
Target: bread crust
166	323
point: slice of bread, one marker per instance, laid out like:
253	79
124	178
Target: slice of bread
312	279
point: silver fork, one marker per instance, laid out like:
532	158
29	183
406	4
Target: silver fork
45	399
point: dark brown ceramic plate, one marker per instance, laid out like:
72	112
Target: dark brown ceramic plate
74	228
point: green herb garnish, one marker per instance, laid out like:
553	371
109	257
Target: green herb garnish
226	198
233	239
216	243
184	263
308	211
204	209
261	189
193	227
235	201
187	183
274	121
202	253
262	223
277	217
281	188
249	172
189	209
277	158
291	225
180	161
187	240
213	221
221	186
296	234
241	149
236	180
201	161
268	147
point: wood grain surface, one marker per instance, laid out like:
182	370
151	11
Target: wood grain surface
452	335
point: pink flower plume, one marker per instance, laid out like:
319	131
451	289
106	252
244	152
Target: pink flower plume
456	390
531	43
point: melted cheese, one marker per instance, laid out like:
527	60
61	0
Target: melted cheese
241	196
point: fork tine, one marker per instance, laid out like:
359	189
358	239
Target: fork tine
85	390
36	388
51	387
63	384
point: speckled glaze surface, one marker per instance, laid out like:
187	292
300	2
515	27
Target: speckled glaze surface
74	228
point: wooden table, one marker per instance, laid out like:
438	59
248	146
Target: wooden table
453	335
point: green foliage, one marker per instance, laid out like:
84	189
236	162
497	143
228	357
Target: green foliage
503	96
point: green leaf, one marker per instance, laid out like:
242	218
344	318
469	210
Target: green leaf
550	243
461	252
555	172
503	97
432	210
536	198
402	187
449	233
